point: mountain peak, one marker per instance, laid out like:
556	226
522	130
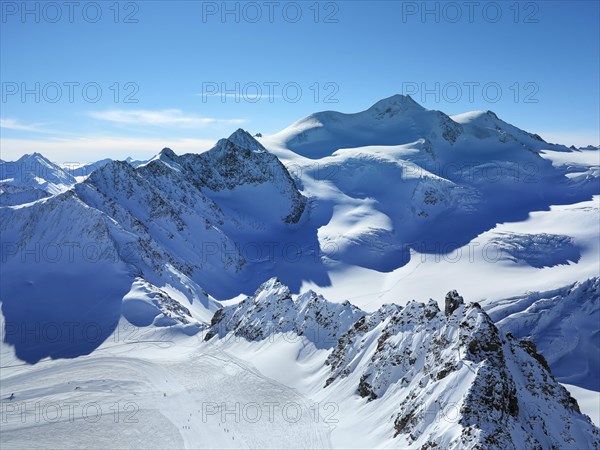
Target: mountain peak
395	120
167	153
35	156
165	156
397	103
245	140
452	302
34	171
484	124
272	310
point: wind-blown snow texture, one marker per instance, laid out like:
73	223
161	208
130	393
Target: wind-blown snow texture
372	207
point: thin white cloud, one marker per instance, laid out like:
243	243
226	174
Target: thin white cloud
164	117
92	148
13	124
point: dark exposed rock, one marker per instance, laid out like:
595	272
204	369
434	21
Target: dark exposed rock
411	355
273	310
529	347
214	324
453	300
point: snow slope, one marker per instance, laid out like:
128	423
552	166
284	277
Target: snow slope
564	325
162	393
113	286
289	374
420	362
400	120
158	234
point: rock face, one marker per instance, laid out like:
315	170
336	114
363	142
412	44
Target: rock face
272	310
501	391
453	300
239	161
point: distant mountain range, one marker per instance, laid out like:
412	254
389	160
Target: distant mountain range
165	243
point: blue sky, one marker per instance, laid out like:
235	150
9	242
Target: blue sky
161	67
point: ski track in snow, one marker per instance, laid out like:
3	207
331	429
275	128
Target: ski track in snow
163	403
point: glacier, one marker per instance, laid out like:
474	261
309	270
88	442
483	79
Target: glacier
318	268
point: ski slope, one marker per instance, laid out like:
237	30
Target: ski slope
156	394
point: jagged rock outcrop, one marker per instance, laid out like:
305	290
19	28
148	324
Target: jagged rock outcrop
233	163
503	394
455	379
272	310
453	300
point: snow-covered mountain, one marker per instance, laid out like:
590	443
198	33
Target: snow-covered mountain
33	176
11	195
80	171
400	120
30	178
242	168
564	325
421	362
217	257
163	226
399	178
391	121
35	171
272	310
